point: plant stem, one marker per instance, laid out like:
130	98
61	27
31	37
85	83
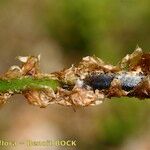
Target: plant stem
27	82
89	83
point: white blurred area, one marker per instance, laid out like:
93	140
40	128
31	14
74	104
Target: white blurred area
140	142
32	124
22	34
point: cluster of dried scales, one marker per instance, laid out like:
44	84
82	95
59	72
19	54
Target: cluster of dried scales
72	90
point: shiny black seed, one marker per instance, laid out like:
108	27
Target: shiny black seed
99	81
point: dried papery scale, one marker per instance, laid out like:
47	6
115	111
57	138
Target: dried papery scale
89	83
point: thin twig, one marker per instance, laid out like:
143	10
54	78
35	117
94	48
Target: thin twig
90	83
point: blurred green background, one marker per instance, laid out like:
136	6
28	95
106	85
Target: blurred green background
63	32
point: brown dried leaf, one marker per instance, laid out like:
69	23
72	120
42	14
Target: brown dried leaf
40	98
78	97
130	61
30	65
144	64
142	90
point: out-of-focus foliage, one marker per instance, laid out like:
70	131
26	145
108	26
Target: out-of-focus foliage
124	118
98	27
